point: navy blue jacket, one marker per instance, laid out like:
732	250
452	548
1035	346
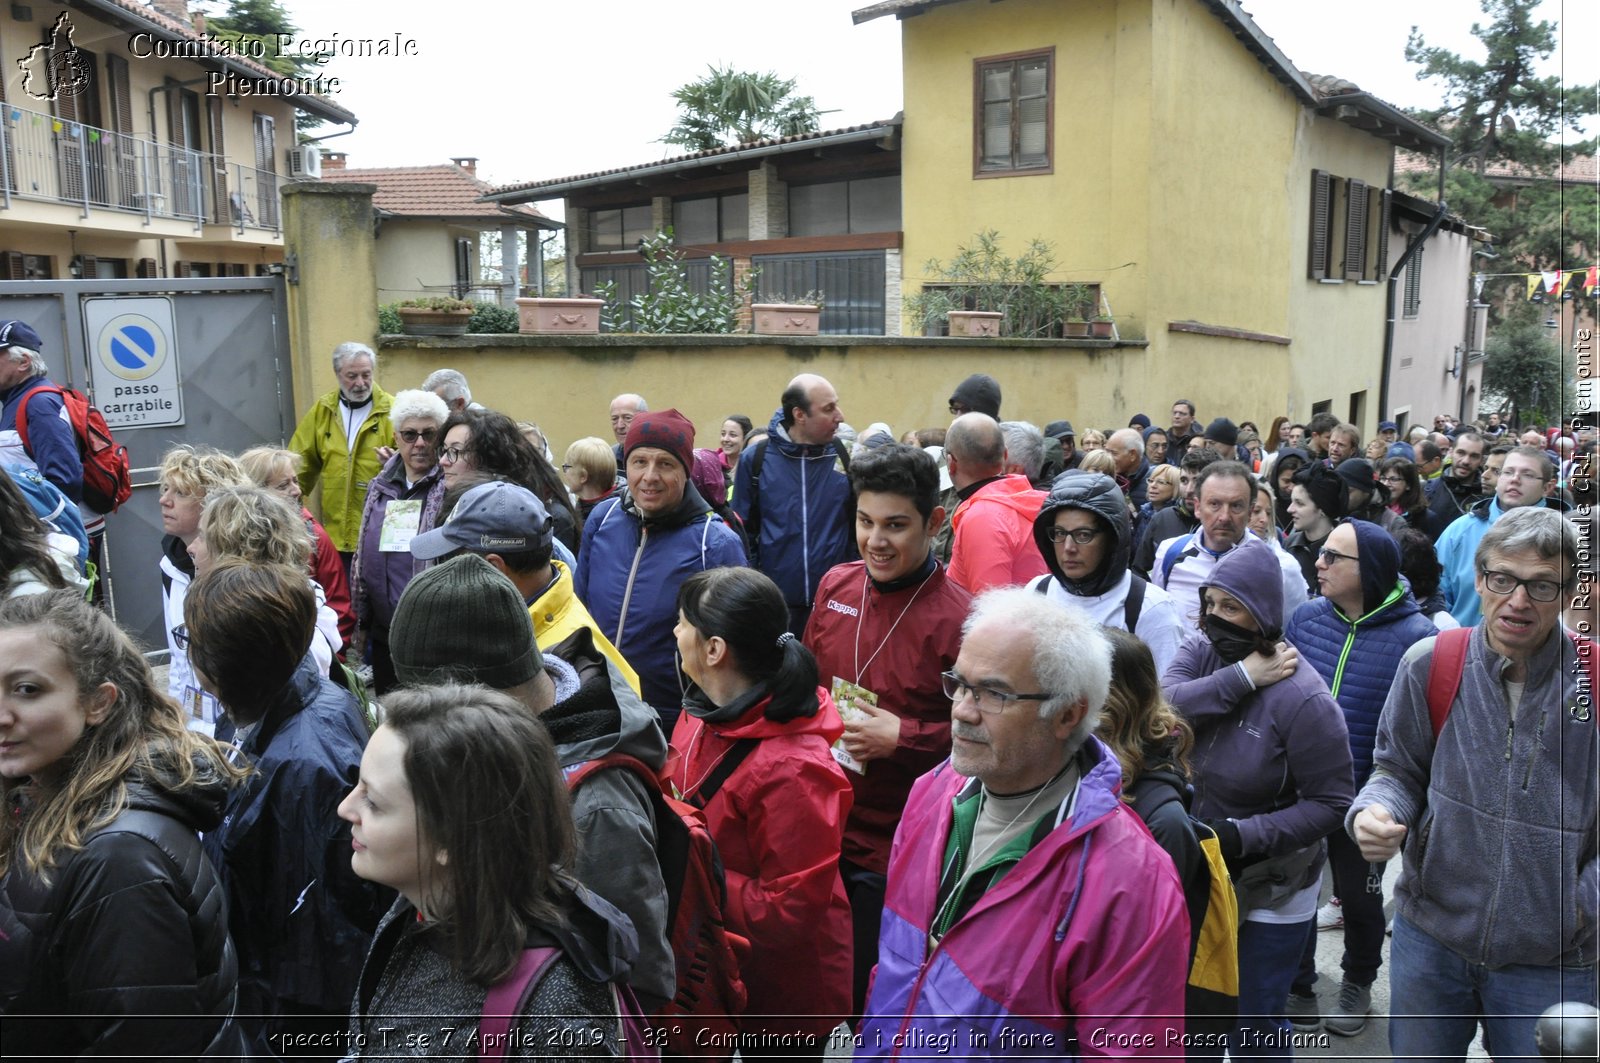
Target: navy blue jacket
629	572
1358	659
300	918
804	520
51	447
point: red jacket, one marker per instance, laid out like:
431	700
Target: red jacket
777	822
328	570
904	675
992	536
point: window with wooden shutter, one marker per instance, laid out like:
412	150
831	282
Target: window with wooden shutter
182	269
124	150
147	269
1355	229
1378	227
1321	221
220	211
12	267
1413	293
1014	114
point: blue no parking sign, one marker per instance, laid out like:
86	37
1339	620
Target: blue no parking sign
134	366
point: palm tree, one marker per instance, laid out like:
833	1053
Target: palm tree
730	106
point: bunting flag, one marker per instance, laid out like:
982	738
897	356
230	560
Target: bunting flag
1591	278
1551	279
94	136
1549	285
55	126
1533	285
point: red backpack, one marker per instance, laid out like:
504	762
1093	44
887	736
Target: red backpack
710	995
1449	659
107	481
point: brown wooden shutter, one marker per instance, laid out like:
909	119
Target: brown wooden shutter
12	266
146	269
1355	229
88	267
1379	205
221	211
182	269
1321	208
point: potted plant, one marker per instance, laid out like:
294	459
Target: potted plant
1102	327
1074	327
578	314
434	316
784	315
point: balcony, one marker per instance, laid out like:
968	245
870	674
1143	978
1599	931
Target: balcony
50	159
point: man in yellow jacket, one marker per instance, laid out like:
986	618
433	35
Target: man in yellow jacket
338	441
510	528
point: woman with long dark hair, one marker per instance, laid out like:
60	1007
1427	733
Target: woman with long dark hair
756	719
1406	497
28	563
484	874
114	940
490	443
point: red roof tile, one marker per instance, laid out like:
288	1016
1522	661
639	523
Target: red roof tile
443	191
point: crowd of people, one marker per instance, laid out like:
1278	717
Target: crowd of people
991	734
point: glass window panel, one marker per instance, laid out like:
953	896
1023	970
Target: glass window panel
694	221
997	82
1032	149
819	210
997	134
635	225
736	216
605	230
1033	78
875	205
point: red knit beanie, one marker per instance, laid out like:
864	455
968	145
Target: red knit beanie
666	430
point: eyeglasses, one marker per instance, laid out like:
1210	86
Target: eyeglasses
990	701
451	455
411	435
1332	557
1081	536
1504	583
1393	481
566	468
180	637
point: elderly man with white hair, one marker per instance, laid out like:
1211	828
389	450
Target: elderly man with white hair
451	386
1025	901
50	445
338	441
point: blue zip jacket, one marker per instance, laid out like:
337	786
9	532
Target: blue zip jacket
804	517
629	571
1358	659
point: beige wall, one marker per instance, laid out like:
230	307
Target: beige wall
417	258
566	386
1424	345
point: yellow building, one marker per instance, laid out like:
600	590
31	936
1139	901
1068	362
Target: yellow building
1231	210
134	145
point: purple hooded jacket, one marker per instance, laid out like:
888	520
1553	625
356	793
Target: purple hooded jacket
1275	760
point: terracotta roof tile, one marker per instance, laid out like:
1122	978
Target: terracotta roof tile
1582	169
443	191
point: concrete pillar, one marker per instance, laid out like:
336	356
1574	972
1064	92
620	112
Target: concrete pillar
508	264
576	242
333	285
893	304
660	213
769	204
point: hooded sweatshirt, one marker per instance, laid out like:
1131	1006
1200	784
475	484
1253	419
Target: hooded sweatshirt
992	529
778	822
1358	656
1104	593
1275	760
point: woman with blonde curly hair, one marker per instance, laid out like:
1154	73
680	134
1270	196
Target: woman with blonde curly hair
277	470
114	940
258	525
188	474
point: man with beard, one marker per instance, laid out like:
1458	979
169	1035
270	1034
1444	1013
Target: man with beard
338	441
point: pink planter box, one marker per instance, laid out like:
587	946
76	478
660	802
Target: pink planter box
975	322
778	319
559	315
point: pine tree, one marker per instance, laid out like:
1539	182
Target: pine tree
257	24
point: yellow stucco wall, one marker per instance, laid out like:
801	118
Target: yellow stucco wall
567	388
333	297
1181	183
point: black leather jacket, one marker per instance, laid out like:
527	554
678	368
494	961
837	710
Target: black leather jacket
128	937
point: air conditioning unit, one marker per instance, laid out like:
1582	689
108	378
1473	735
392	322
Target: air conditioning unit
304	161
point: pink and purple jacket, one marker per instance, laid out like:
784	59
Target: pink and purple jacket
1087	936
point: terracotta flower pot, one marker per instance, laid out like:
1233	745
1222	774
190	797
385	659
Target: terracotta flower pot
786	319
1075	330
416	321
1102	329
975	322
559	315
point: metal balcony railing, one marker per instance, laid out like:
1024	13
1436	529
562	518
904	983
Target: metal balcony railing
43	157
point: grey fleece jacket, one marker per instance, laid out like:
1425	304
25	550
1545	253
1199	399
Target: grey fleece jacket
1500	861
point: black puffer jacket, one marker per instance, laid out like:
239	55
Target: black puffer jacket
128	938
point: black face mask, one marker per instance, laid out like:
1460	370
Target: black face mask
1232	642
